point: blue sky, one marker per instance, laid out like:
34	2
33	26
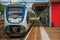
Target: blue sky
30	0
34	0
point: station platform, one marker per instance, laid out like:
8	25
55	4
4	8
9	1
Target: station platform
44	33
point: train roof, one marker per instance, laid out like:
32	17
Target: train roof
15	5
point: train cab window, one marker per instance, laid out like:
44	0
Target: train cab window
15	15
16	9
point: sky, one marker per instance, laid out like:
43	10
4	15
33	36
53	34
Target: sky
11	0
27	0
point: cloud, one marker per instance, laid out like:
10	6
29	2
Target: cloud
14	0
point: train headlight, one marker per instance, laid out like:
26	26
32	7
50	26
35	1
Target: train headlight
23	29
7	29
10	19
14	20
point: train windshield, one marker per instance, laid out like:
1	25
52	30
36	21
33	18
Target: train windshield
16	9
15	13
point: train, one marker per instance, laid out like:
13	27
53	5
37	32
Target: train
16	20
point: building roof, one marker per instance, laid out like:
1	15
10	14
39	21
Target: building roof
55	0
40	4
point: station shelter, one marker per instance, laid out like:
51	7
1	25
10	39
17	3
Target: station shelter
50	14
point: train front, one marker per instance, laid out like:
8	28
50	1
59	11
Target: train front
15	19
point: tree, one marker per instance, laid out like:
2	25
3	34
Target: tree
2	7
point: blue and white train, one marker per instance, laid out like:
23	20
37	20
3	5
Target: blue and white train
16	19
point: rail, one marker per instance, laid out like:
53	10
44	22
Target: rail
1	23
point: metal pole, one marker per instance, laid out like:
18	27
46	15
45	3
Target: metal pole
50	14
10	1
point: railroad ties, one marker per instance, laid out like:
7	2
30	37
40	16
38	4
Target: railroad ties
1	28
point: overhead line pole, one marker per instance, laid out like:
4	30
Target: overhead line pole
50	14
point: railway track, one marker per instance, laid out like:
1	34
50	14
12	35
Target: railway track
1	28
1	23
37	23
